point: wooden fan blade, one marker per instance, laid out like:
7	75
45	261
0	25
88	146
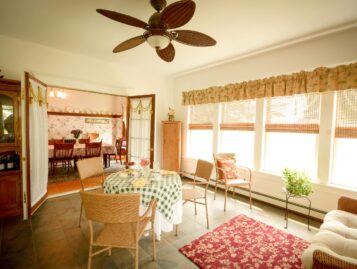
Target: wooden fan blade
193	38
126	19
177	14
167	54
129	44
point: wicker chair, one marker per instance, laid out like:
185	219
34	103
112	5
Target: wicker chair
123	226
89	168
238	182
203	171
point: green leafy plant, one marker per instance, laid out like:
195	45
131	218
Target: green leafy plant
297	182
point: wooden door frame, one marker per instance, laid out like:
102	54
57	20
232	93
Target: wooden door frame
30	209
152	125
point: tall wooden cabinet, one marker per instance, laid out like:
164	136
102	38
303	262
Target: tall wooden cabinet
10	149
171	145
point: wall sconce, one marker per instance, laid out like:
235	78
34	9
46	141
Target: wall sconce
58	93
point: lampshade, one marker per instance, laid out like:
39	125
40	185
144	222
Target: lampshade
158	41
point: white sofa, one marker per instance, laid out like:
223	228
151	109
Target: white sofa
335	245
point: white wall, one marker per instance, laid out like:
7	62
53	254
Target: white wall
328	50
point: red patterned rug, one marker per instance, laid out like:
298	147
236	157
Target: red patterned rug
243	242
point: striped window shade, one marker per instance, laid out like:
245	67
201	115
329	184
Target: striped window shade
238	115
346	114
201	117
293	114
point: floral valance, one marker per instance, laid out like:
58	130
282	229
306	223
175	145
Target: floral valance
321	79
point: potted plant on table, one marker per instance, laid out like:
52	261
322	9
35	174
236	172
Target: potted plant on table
145	166
297	182
76	133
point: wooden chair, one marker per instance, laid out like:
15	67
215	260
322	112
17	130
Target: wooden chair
89	168
93	149
227	173
53	141
203	171
123	226
84	140
120	145
70	141
62	153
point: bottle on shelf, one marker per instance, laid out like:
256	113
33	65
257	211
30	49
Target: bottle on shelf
2	163
10	162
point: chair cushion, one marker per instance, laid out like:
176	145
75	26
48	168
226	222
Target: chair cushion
342	223
229	167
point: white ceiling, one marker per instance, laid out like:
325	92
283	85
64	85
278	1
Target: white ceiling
239	26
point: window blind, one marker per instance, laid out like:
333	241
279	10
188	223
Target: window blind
346	114
201	117
293	114
238	115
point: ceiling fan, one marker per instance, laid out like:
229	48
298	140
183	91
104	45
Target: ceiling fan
158	31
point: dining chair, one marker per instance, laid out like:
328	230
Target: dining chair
201	177
120	145
229	174
123	226
89	169
62	153
93	149
70	141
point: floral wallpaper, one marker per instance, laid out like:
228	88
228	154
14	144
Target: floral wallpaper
61	127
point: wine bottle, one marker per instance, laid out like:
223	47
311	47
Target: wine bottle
2	163
10	162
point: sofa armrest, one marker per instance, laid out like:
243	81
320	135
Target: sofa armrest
322	260
347	204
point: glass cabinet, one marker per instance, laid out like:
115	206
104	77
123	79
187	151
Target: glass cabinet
10	149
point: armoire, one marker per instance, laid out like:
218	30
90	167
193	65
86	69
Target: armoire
171	145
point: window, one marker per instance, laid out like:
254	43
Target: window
292	127
200	135
345	143
237	130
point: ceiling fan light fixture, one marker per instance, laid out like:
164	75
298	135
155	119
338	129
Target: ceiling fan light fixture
158	41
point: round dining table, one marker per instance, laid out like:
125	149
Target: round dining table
164	186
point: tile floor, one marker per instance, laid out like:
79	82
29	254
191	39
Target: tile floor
53	240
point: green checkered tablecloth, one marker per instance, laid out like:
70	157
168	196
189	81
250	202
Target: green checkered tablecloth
165	188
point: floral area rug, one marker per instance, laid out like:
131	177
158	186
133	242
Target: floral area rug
243	242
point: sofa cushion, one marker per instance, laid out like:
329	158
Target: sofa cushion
342	223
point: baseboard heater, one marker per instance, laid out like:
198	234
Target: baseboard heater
213	184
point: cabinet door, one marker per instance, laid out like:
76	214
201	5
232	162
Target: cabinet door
171	155
10	194
9	119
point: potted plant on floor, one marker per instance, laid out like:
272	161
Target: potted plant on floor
297	182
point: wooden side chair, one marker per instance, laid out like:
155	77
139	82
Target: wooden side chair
62	153
120	145
229	174
123	226
93	149
70	141
87	169
195	195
